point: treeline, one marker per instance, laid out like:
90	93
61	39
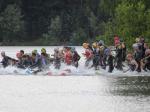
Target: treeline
60	22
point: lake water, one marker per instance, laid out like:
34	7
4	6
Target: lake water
116	92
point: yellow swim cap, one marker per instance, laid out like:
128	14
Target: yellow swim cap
94	45
137	40
101	48
43	50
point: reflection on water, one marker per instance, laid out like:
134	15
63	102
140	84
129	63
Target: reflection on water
126	93
130	86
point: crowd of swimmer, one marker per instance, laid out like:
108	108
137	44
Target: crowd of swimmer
43	60
103	56
97	53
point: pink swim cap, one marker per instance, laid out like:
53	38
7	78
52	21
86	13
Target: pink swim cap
18	55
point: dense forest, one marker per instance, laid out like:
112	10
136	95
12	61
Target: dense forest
71	22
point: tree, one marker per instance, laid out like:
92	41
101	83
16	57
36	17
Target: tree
129	21
45	21
11	23
78	37
147	22
52	37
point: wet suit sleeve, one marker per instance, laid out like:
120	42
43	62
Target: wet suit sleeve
5	61
78	56
36	64
43	61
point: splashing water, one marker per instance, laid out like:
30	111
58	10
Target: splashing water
64	70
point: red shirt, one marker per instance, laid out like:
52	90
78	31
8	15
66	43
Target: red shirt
88	53
68	57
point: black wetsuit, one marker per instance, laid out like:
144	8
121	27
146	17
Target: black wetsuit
110	62
132	67
119	58
37	63
96	58
5	61
147	64
57	62
124	54
104	57
27	63
75	59
138	57
142	50
23	64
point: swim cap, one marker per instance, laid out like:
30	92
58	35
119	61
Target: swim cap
18	55
116	38
3	53
56	49
22	51
43	50
101	48
101	42
135	46
94	45
137	40
34	51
